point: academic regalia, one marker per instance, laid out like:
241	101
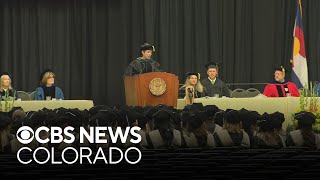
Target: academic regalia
223	138
219	87
305	122
141	66
12	93
197	94
278	89
260	143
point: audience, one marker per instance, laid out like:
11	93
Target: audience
163	127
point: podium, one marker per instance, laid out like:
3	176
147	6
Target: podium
151	89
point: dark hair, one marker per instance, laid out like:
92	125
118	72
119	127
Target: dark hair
308	136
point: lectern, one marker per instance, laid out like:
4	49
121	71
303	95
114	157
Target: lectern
151	89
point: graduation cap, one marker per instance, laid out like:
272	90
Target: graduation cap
196	120
305	118
6	73
219	117
265	125
162	119
147	46
211	110
193	73
277	119
194	107
94	110
128	117
280	68
212	65
232	116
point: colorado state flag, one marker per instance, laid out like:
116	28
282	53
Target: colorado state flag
299	75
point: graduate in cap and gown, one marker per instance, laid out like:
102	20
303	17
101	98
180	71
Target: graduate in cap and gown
304	135
193	79
6	87
145	63
48	88
280	87
212	83
232	133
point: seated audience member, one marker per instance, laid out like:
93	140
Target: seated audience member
249	121
48	90
304	135
266	136
129	118
232	134
193	80
196	134
5	136
213	84
17	113
277	121
6	90
163	134
280	87
211	111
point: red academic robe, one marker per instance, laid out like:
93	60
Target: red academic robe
281	90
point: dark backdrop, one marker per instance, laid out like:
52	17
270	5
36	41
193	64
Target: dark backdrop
89	43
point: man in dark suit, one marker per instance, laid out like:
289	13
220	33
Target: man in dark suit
213	84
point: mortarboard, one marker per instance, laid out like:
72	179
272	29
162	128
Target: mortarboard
147	46
280	68
193	73
305	118
211	65
232	116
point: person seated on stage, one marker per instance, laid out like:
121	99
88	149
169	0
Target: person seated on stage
304	135
213	84
196	134
145	63
317	89
266	136
280	87
6	87
193	80
48	90
232	134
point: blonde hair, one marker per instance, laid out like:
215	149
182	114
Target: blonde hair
270	138
232	128
2	79
46	77
198	86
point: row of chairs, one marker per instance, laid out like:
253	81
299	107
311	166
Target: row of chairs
241	93
26	96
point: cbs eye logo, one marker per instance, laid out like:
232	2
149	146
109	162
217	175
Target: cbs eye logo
25	134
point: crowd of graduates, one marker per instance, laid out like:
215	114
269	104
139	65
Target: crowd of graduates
166	127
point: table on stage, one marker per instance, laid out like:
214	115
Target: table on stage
285	105
38	105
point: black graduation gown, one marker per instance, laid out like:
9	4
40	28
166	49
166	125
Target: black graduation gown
219	87
140	66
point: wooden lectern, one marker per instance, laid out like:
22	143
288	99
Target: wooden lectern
151	89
